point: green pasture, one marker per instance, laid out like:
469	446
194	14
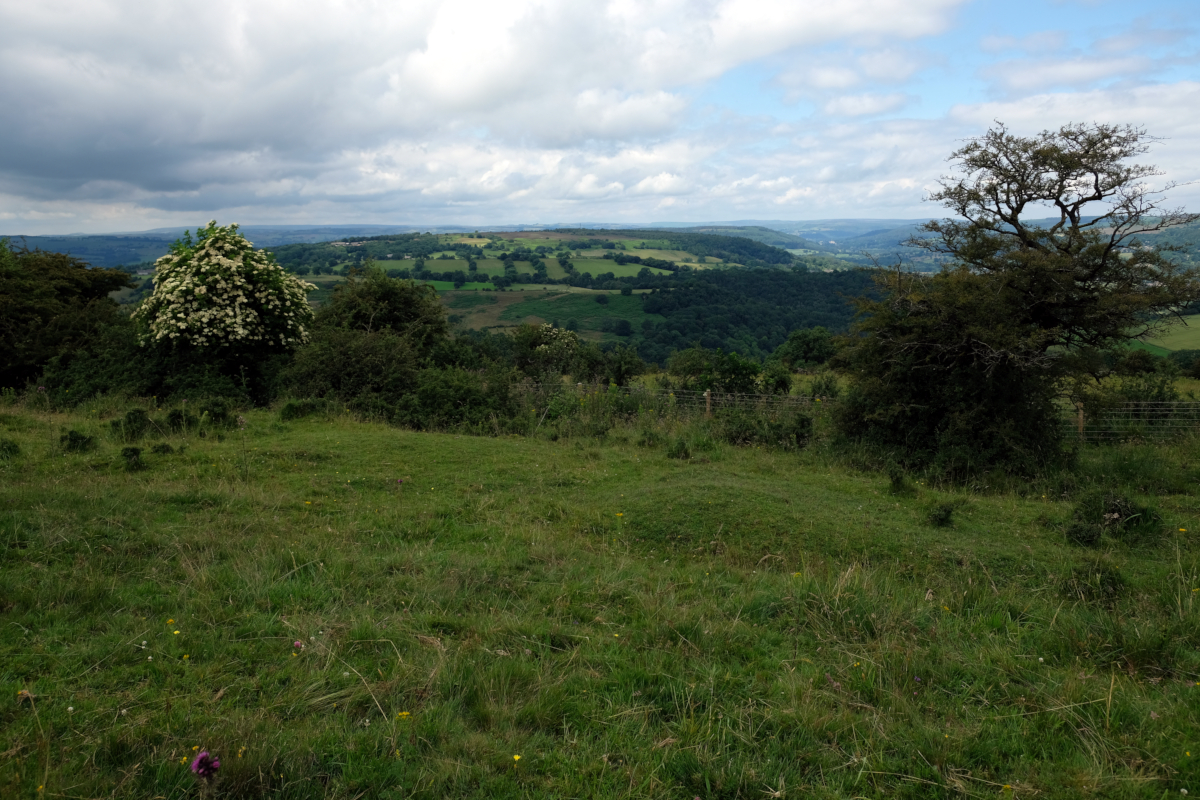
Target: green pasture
581	307
339	609
1182	337
599	266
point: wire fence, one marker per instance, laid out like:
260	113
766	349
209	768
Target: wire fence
1136	420
707	402
1130	421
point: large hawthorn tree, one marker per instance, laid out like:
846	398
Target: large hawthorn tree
1052	259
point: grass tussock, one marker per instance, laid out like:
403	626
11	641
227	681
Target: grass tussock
340	609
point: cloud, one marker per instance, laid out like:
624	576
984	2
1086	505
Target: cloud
1033	75
861	105
126	114
176	105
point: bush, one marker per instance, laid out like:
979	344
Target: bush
133	458
76	442
299	409
788	429
216	413
460	399
944	380
132	427
373	302
1099	583
678	448
898	483
180	421
219	292
1101	512
825	387
941	515
369	372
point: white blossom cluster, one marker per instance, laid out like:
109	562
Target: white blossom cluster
221	291
558	345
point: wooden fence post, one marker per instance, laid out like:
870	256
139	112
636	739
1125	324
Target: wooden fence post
708	403
1080	423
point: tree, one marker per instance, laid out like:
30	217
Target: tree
50	304
960	371
372	302
806	347
219	293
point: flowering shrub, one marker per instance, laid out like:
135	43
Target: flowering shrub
219	291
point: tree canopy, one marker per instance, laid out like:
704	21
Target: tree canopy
962	369
218	291
50	304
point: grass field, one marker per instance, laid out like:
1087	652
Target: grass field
530	619
598	266
1182	337
582	308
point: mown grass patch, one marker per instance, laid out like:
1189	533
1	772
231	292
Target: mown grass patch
340	609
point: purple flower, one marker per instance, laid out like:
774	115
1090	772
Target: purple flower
918	680
399	480
206	765
297	644
41	388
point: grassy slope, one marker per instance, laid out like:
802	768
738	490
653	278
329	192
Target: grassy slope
1182	337
747	623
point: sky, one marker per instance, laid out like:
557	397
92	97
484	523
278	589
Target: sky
125	116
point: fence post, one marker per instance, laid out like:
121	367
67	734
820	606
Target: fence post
708	403
1080	423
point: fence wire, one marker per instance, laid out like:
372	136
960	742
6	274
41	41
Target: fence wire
1131	421
1138	420
685	401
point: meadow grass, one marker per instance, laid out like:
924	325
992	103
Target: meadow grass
581	307
340	609
1182	337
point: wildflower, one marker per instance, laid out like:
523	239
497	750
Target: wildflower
149	658
403	714
516	758
170	621
185	656
205	766
70	709
1041	661
620	515
297	644
176	633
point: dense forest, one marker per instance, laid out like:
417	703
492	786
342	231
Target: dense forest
748	311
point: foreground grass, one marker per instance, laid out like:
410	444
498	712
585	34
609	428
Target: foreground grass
746	624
